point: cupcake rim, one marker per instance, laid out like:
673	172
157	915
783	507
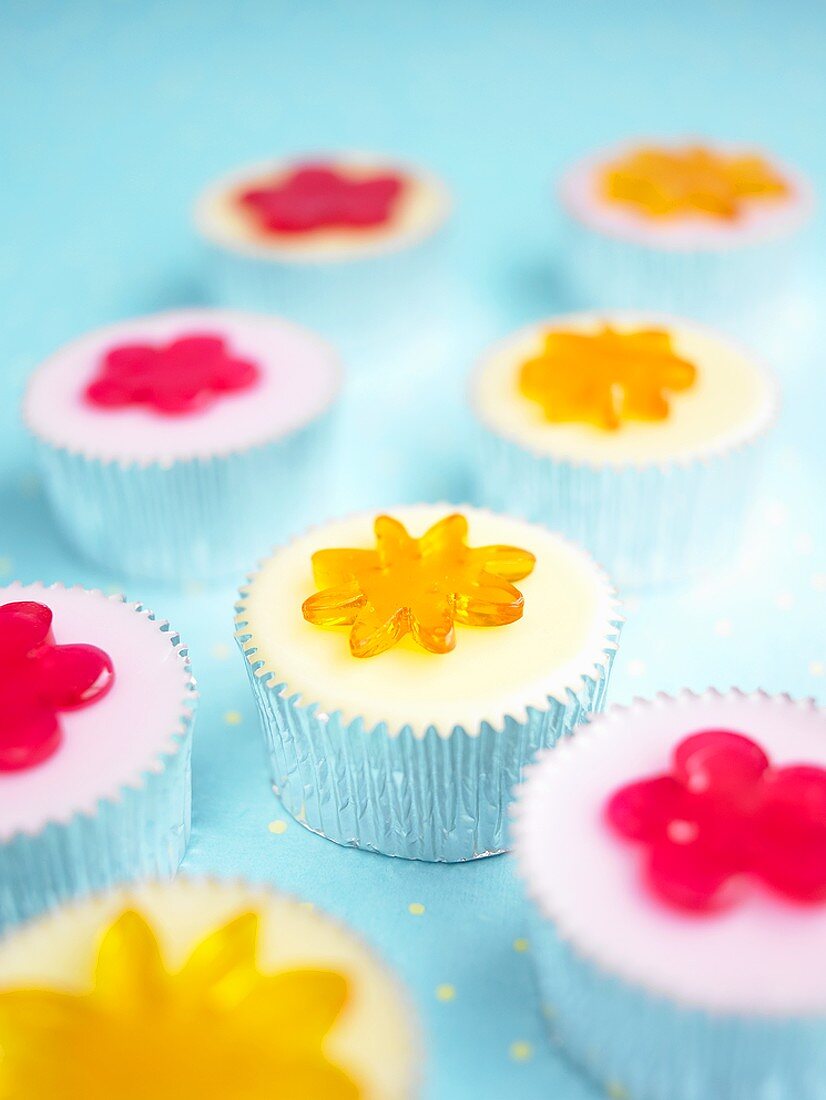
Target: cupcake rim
164	462
680	460
256	890
636	232
391	244
357	726
520	812
173	743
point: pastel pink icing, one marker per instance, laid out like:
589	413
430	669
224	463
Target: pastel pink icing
40	679
763	954
580	195
299	381
110	745
721	819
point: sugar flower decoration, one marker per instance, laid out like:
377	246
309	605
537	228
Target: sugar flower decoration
418	586
218	1028
724	817
184	376
39	680
605	377
694	180
321	196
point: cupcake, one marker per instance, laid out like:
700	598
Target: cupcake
394	721
200	988
675	856
708	230
638	435
171	444
348	244
95	748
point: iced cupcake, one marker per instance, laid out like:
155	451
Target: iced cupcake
200	988
172	444
704	229
638	435
345	243
98	701
675	854
407	666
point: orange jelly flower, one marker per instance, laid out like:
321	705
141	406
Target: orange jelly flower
418	586
605	377
669	183
217	1029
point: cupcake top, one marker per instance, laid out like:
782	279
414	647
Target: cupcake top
687	195
622	388
322	209
194	383
428	615
95	692
690	850
261	995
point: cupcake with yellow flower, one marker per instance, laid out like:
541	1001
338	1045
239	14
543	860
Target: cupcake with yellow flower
638	435
199	989
707	229
407	665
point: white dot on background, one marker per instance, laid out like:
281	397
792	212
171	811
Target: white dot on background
776	513
220	651
804	544
817	668
636	667
819	582
5	566
631	604
723	628
784	600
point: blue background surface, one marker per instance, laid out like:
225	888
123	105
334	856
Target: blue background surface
112	115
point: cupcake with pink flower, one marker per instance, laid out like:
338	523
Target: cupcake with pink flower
172	445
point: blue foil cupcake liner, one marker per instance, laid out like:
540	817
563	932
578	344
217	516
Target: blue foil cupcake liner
728	287
640	1046
364	305
441	797
646	525
140	832
187	519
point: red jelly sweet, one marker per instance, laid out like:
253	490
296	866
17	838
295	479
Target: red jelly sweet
38	679
184	376
724	816
319	196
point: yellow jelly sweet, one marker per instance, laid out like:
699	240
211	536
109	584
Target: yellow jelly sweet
216	1029
418	586
605	377
668	183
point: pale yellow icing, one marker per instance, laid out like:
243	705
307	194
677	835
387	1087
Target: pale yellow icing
422	207
374	1040
493	671
731	401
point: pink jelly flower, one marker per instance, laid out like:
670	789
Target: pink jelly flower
319	196
724	816
38	679
184	376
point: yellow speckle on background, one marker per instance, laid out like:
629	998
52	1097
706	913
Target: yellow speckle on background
278	827
233	718
520	945
817	668
615	1091
416	908
521	1051
220	651
445	992
5	566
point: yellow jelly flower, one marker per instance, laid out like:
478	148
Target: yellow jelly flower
605	377
218	1029
419	586
668	183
